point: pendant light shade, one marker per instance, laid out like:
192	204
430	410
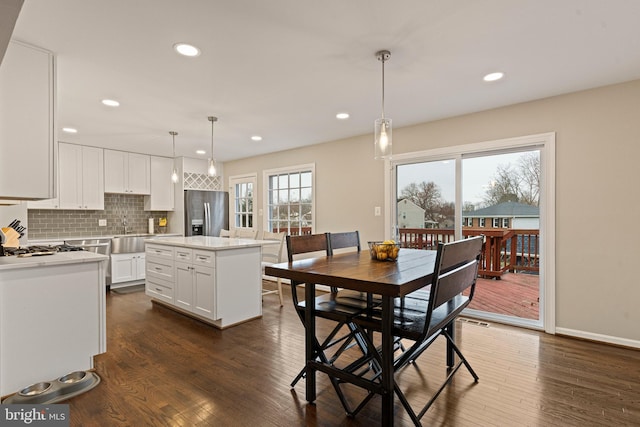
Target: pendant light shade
382	126
174	172
212	169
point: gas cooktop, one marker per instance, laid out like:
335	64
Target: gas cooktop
38	250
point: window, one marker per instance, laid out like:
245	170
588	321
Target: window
290	199
468	222
242	194
481	222
495	223
505	222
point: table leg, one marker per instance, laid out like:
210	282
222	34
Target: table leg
387	361
309	345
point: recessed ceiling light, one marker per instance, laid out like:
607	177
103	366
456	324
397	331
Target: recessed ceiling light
342	116
110	102
492	77
186	49
70	130
256	138
201	152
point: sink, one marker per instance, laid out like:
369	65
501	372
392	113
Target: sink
128	244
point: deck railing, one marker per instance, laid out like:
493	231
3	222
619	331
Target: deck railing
503	250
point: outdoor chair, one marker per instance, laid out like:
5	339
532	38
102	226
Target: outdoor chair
423	321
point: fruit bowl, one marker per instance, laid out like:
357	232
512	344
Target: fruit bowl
384	251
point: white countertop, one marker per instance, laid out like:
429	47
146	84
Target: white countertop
210	243
59	258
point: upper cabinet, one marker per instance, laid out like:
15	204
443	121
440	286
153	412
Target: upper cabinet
162	189
81	175
127	173
27	89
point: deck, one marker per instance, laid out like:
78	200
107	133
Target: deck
514	294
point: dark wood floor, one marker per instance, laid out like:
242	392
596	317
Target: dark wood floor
164	369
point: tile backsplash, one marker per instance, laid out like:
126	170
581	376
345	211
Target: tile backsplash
61	223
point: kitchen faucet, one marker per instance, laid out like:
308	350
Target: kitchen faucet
124	224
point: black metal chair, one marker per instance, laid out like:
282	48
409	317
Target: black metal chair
327	307
422	321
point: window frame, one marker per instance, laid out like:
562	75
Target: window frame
295	169
233	182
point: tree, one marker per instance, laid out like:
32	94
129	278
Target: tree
516	184
428	196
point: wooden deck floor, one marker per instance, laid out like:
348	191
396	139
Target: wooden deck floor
515	294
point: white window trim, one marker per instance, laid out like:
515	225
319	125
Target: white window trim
238	179
546	143
289	169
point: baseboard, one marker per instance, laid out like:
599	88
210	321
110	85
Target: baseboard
623	342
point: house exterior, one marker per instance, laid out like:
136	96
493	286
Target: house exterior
503	215
410	215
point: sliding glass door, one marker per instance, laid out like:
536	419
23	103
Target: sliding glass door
492	189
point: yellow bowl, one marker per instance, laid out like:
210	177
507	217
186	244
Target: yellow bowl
384	251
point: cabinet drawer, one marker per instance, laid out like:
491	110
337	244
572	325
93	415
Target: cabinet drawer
159	251
159	289
206	258
161	270
183	254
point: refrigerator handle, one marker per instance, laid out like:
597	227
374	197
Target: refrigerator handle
207	219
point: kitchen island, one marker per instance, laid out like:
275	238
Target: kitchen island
52	316
216	280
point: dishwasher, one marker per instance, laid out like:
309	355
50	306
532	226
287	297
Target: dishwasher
99	246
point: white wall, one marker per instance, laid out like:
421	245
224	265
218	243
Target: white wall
597	152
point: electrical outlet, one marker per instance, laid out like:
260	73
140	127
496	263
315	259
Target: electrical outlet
377	211
102	223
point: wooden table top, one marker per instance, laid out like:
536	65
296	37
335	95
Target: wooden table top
357	271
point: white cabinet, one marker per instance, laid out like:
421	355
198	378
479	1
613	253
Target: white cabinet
162	189
127	267
80	171
160	273
127	173
195	283
27	128
217	282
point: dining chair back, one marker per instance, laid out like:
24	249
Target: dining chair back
245	233
272	254
225	233
307	243
344	240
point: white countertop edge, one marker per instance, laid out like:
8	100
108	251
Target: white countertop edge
210	243
60	258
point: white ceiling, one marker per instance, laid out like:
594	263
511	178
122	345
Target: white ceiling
284	68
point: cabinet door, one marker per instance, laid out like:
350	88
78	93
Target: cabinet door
183	291
138	174
123	268
92	178
140	266
70	176
115	164
162	189
204	289
27	122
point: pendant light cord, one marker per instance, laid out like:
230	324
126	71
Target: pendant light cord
383	59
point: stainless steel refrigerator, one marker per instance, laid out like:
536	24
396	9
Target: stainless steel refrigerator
205	212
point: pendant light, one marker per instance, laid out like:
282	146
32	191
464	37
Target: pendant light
212	161
174	173
382	126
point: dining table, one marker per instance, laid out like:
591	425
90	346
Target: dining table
412	270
